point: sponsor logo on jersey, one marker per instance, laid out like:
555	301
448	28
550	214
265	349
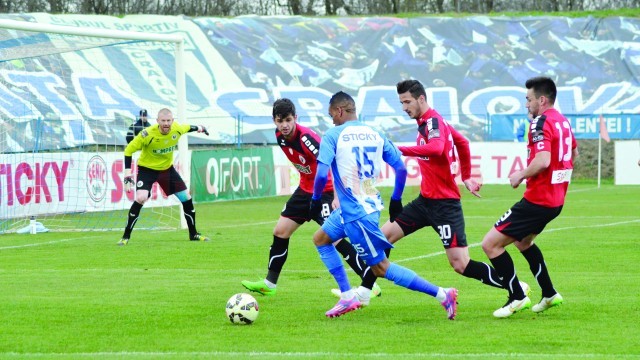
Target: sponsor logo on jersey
144	133
303	169
165	150
359	136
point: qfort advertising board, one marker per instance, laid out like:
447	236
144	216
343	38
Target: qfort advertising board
231	174
56	183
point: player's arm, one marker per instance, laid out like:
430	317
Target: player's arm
134	145
464	157
539	163
325	157
435	143
322	175
434	147
391	155
199	129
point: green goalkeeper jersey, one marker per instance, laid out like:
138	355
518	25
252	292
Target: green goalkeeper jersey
157	149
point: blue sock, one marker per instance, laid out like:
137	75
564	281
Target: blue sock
408	278
331	259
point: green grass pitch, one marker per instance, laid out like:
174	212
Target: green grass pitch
79	296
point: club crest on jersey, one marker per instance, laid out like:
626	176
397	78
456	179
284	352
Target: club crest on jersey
174	136
302	159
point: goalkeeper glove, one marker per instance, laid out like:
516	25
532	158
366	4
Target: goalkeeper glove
128	180
202	129
395	208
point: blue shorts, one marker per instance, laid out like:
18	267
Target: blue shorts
365	235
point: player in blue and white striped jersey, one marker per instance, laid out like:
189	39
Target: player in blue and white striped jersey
356	153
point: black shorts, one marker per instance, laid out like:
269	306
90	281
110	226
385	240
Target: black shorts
297	207
526	218
169	180
443	215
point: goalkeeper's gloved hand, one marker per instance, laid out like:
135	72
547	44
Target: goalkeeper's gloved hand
128	180
395	208
315	208
202	129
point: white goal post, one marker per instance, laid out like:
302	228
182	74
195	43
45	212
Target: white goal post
11	53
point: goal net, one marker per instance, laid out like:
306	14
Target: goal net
68	96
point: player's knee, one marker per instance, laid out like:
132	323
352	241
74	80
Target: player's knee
378	270
392	231
488	246
458	266
321	238
142	197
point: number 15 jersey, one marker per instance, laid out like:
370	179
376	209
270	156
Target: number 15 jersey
356	154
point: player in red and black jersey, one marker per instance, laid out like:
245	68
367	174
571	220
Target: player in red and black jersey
551	148
440	150
301	145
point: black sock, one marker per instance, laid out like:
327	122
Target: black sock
190	216
132	218
507	271
368	279
350	255
539	270
483	272
278	253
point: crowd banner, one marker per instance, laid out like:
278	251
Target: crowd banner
472	72
619	126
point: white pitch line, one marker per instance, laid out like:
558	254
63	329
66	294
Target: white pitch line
46	243
95	237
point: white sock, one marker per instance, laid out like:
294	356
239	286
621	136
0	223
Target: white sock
347	295
363	292
442	294
269	284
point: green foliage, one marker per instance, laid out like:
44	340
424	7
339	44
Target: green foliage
586	165
71	295
572	14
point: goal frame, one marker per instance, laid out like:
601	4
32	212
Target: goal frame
176	38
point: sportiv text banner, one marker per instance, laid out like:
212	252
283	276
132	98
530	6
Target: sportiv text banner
232	174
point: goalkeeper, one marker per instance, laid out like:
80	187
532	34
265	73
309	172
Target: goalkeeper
157	143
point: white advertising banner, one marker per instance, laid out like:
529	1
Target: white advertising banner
491	163
56	183
627	163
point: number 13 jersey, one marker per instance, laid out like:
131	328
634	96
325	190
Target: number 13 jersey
551	132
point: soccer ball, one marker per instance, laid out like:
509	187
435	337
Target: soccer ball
242	309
